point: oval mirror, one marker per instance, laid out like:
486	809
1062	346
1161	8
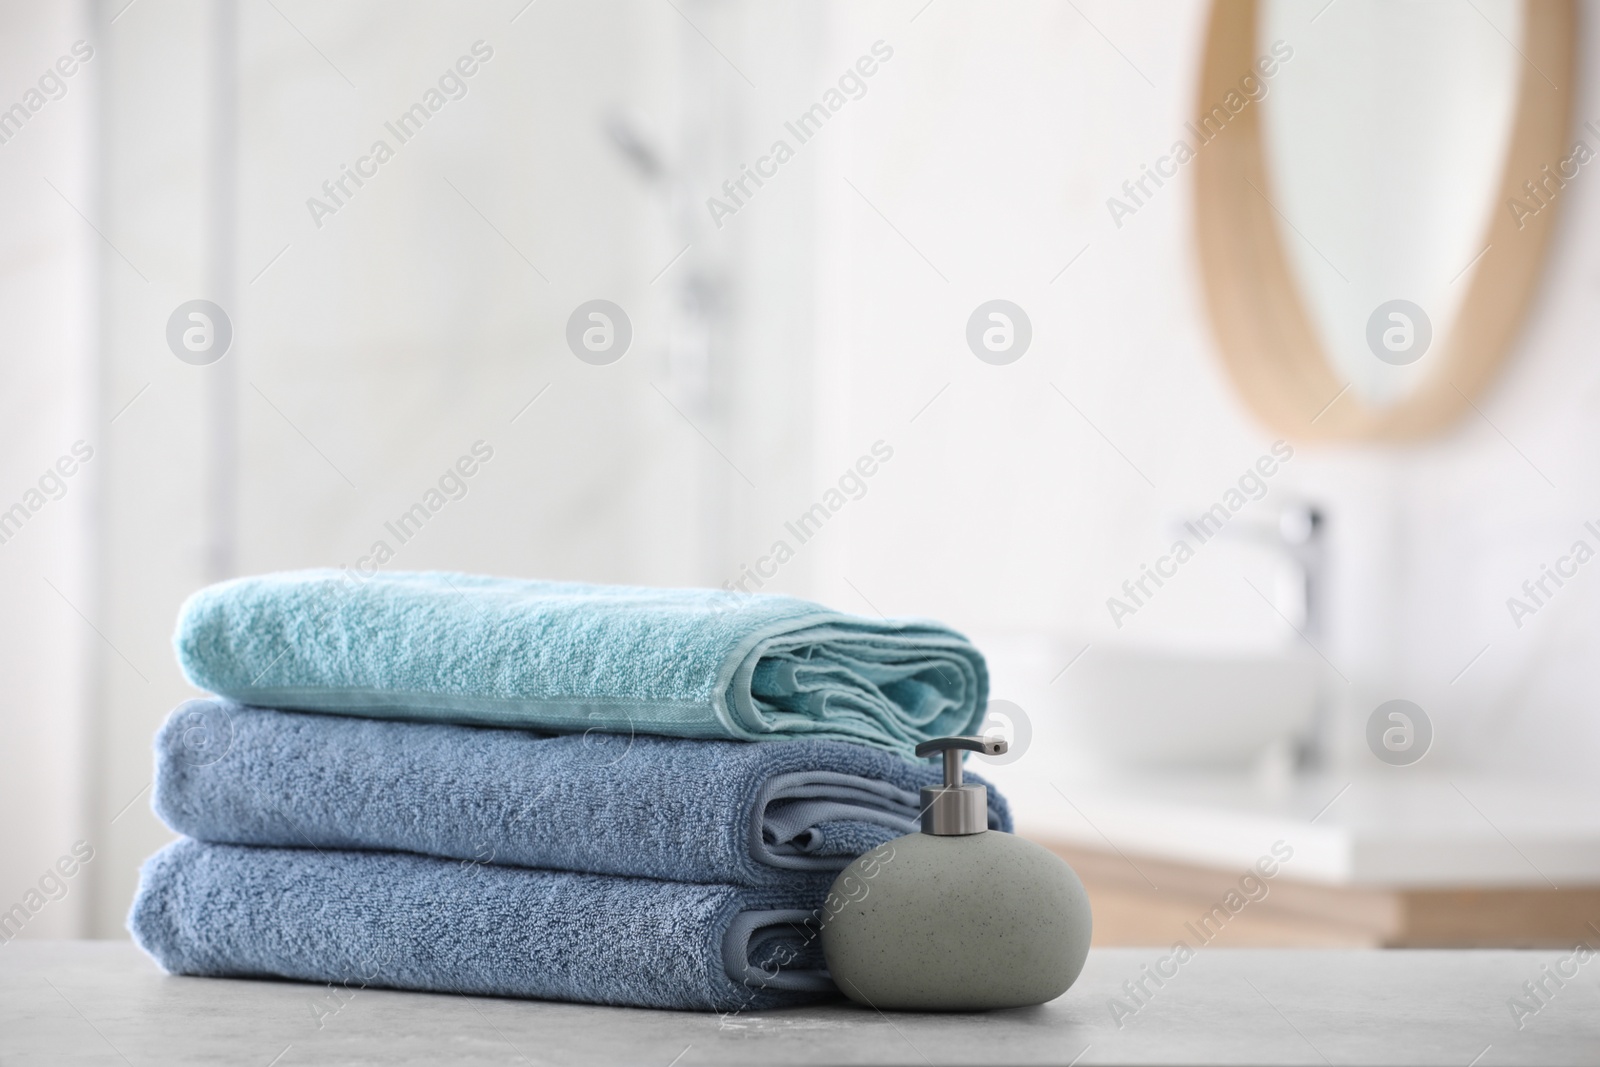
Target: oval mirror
1376	183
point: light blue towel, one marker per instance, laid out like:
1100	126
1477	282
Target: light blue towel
414	922
563	656
689	811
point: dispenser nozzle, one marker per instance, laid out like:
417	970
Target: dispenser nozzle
956	809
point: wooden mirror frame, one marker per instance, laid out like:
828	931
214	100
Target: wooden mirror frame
1263	330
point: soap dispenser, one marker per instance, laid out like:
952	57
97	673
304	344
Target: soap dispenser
958	917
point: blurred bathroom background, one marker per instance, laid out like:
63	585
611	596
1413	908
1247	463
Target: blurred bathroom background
382	327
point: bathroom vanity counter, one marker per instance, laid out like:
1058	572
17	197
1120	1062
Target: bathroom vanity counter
1405	828
65	1003
1405	858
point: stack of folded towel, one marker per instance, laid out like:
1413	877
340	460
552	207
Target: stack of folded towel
480	785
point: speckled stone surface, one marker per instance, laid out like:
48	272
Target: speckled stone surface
963	923
88	1003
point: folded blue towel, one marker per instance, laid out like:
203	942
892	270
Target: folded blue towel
563	656
414	922
687	811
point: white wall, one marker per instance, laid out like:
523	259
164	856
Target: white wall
48	257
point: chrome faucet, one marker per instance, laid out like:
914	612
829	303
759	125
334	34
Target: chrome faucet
1298	533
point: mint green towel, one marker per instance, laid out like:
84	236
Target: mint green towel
569	657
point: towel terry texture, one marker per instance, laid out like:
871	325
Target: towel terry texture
571	657
789	815
415	922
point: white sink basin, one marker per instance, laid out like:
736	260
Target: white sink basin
1141	709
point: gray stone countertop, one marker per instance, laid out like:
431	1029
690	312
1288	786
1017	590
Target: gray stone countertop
65	1003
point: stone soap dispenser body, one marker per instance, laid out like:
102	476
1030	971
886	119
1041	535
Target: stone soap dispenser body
957	917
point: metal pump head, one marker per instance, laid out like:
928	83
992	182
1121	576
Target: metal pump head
954	809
